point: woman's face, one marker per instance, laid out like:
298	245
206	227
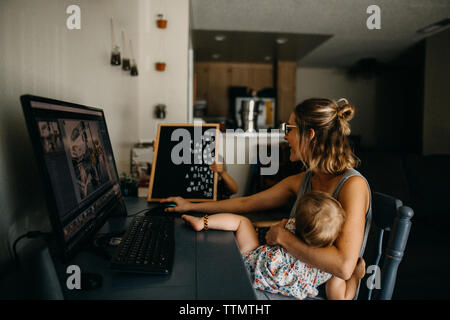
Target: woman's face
293	138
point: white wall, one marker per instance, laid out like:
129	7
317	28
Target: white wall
436	125
40	56
334	84
170	45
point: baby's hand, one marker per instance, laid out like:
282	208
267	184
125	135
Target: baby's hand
290	225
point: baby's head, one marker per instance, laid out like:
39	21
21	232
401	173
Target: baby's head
318	219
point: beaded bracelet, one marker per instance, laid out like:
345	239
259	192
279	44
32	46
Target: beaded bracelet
205	222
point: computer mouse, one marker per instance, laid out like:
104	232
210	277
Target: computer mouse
168	204
165	206
172	205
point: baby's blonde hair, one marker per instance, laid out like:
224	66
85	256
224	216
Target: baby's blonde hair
318	219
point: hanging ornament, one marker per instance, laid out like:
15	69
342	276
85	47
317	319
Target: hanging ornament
160	66
115	52
161	22
125	61
134	70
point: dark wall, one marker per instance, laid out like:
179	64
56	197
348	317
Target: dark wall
22	202
400	98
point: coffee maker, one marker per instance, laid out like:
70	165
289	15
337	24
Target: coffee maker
254	113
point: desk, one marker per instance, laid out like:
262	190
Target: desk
207	265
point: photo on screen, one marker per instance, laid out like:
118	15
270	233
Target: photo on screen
86	154
50	136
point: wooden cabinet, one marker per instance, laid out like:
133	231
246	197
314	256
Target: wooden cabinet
286	77
214	78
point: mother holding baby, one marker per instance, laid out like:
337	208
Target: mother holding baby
317	133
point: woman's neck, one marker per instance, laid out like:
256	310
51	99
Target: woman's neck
324	177
324	181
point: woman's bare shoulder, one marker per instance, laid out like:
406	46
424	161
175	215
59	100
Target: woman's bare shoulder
355	191
355	182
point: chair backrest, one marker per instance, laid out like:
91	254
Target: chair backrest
386	243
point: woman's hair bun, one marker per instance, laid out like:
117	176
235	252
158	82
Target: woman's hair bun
345	111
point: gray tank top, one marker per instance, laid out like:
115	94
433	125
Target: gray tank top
305	187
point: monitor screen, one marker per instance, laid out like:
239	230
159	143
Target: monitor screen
74	153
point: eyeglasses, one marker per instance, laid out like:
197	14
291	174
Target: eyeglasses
286	127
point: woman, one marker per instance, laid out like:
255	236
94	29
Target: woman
317	135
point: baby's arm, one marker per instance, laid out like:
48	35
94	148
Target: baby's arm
246	236
338	289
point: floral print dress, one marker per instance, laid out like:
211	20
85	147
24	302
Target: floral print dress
274	270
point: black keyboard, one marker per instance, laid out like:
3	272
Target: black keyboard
147	246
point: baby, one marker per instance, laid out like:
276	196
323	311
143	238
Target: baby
318	221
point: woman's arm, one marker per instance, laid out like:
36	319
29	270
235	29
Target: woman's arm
339	259
338	289
271	198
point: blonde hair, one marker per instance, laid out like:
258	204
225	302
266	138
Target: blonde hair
318	219
329	150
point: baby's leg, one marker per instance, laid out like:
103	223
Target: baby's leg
245	232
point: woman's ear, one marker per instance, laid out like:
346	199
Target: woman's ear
312	134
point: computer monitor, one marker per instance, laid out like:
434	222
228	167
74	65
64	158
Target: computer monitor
75	157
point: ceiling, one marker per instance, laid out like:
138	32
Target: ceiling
253	46
320	33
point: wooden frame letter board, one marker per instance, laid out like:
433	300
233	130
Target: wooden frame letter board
183	153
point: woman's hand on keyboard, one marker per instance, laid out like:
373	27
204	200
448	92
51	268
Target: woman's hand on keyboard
182	205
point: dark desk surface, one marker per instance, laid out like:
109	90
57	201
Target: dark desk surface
207	265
